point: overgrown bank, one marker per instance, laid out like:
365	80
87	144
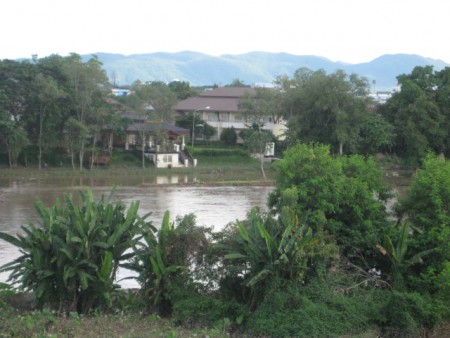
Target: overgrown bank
328	260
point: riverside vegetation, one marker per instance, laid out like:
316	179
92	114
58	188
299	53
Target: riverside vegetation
326	260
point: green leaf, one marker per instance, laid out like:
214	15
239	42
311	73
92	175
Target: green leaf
242	231
106	269
258	277
235	256
12	240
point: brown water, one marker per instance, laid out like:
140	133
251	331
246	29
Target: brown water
213	206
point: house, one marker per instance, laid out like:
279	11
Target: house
163	143
219	107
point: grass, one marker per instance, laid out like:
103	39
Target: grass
18	319
226	170
49	324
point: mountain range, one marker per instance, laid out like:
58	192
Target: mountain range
252	68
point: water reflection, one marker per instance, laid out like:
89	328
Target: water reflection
213	206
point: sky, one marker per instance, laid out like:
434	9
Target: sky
351	31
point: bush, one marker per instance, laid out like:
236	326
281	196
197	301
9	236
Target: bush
229	136
166	262
218	152
313	310
69	261
345	195
408	313
205	310
426	205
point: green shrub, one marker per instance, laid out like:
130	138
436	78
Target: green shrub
166	262
205	310
426	205
229	136
70	259
218	152
315	310
408	313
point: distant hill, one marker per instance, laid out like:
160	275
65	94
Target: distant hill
251	68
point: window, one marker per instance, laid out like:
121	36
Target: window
212	117
167	158
225	117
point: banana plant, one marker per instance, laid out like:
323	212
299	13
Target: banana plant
155	267
266	247
397	256
70	260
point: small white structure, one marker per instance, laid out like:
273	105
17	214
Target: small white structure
270	149
165	159
120	92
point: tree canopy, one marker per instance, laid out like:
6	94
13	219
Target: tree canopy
419	113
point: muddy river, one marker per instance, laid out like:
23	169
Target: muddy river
213	206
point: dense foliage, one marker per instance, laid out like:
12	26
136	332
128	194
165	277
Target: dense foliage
70	259
344	196
229	136
57	102
419	113
325	260
426	206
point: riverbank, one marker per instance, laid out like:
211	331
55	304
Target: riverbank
232	171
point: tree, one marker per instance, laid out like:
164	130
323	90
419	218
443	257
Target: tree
43	106
14	89
419	121
326	108
153	102
344	196
237	83
426	206
256	142
200	126
15	139
74	130
88	85
229	136
376	134
182	89
257	110
264	106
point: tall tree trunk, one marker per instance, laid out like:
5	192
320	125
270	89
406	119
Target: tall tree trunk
341	148
143	150
261	154
93	152
41	118
81	154
72	158
261	158
10	159
110	143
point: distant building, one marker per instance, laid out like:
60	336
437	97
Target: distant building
219	107
381	97
120	92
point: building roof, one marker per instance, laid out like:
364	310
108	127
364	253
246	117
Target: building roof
153	128
219	99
